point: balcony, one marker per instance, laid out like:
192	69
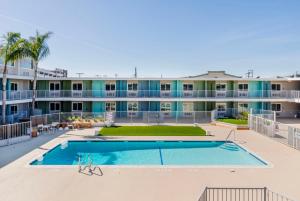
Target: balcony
102	94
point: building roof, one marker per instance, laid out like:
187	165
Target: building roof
215	74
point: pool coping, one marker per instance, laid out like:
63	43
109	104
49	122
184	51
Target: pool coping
267	164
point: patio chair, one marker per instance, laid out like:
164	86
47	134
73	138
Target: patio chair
40	128
53	127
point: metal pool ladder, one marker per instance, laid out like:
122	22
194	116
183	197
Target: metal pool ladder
232	131
89	166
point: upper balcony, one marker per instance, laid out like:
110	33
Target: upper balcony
207	94
200	94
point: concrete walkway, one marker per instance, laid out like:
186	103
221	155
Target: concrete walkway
19	181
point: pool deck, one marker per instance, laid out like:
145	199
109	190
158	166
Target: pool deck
19	181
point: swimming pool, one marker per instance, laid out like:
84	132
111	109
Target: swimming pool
204	153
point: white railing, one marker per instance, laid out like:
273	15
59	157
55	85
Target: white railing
26	94
283	133
14	133
241	194
148	117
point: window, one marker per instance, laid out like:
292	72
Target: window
55	86
276	107
132	86
276	87
165	107
110	106
77	86
25	63
187	87
13	86
54	106
188	107
221	87
165	87
221	107
77	106
243	87
243	106
132	106
110	87
13	109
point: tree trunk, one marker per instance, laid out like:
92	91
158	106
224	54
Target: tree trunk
35	66
4	80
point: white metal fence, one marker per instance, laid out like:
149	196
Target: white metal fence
14	133
126	117
283	133
241	194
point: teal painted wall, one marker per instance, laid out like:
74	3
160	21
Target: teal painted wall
98	107
154	106
121	108
154	88
98	87
254	88
174	88
121	87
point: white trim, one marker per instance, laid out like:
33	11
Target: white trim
280	84
13	105
16	83
55	82
187	84
77	106
276	104
111	102
55	102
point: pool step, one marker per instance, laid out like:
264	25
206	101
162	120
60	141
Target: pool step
230	147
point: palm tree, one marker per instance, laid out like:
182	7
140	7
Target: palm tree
11	50
37	49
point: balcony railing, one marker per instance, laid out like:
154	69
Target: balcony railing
262	94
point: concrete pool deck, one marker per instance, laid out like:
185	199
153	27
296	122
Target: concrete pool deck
18	181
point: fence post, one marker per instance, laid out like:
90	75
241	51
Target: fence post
265	193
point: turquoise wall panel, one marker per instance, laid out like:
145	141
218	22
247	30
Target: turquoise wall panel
154	88
98	106
121	87
255	106
121	108
143	106
174	88
154	106
143	87
98	87
254	88
179	88
8	84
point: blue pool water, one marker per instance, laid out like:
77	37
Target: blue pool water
215	153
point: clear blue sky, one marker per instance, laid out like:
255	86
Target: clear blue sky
168	37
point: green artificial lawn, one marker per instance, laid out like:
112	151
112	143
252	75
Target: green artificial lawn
152	131
234	121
